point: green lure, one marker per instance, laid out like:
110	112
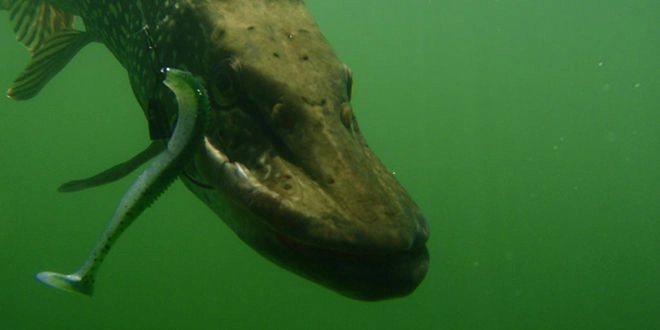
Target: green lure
193	105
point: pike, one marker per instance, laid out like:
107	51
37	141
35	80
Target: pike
248	104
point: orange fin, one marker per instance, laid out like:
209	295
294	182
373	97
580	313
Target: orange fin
49	35
52	55
35	20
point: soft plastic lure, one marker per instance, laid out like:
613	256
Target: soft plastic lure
193	105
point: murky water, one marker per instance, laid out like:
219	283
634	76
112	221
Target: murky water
528	132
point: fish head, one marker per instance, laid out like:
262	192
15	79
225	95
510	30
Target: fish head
285	164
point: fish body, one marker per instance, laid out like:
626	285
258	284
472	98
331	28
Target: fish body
283	161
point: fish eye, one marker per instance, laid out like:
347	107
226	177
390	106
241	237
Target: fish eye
349	81
223	84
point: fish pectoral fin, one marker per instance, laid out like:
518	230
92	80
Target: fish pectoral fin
48	33
35	20
116	172
47	60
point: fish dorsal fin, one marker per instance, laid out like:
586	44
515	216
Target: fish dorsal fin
49	35
35	20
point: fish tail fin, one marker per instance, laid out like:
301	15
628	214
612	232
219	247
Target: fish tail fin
71	282
49	35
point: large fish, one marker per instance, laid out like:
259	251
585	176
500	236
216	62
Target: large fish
249	105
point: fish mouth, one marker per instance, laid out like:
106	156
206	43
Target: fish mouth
287	168
296	206
285	165
291	219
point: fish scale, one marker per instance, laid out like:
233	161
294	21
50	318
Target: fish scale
136	43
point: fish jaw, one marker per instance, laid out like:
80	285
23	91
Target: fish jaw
301	240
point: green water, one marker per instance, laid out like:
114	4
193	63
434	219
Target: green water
528	132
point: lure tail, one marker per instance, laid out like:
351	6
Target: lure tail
71	282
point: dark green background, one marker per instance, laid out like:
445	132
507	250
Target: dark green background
528	132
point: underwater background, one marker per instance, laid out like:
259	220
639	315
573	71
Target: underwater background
527	131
